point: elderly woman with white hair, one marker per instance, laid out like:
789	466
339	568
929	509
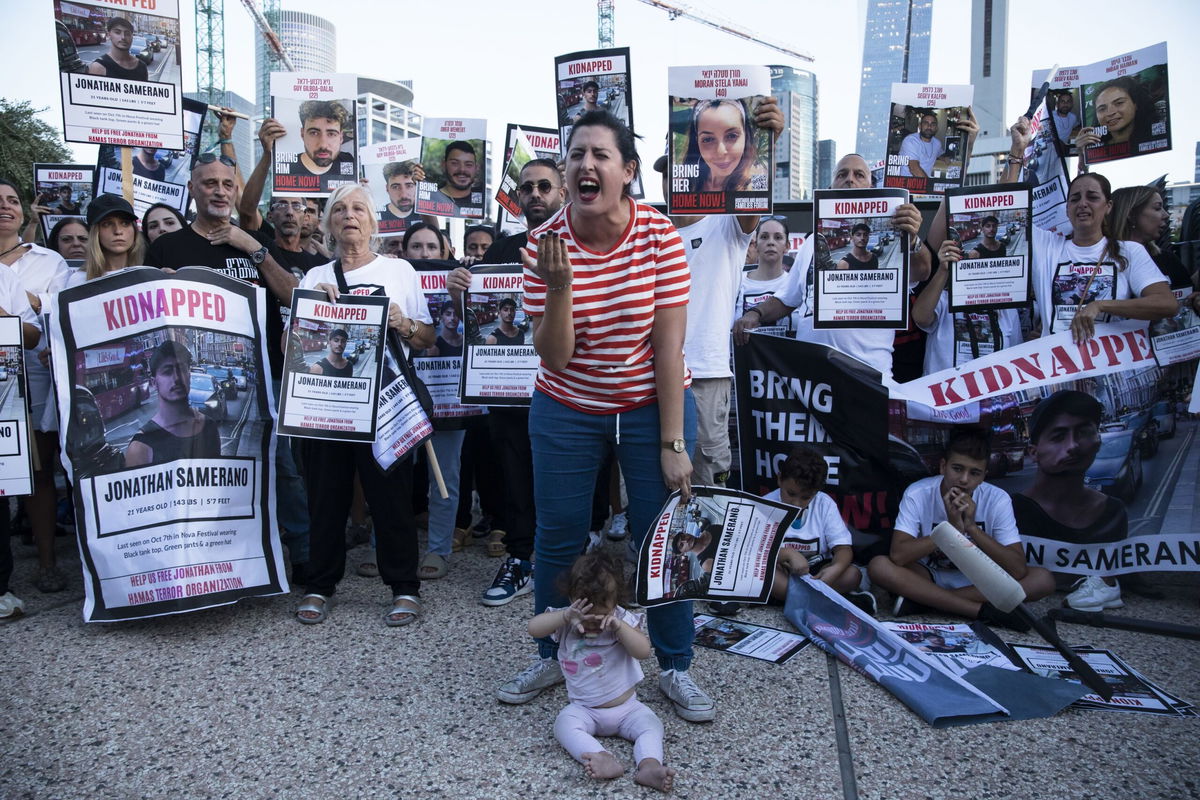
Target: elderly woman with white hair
349	225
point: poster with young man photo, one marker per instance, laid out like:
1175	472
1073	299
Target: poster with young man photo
454	157
317	153
926	151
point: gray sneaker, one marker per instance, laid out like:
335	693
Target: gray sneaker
690	701
531	681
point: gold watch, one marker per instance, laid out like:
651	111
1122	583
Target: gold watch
678	445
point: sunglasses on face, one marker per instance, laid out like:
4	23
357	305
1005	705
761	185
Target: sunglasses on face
544	186
208	158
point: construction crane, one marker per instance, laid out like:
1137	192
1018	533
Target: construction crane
266	21
210	58
677	10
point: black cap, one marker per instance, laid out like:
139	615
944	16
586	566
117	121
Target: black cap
1067	401
105	205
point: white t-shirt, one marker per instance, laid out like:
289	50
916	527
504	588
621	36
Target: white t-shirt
925	153
818	528
922	509
715	247
598	670
395	276
872	346
949	342
1064	125
752	292
1067	276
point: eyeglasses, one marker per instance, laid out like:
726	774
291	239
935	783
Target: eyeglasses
294	205
769	217
208	158
544	186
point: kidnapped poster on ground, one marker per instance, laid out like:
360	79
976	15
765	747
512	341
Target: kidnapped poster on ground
926	151
170	454
119	66
499	363
718	544
159	176
993	226
860	260
64	189
16	464
454	157
332	364
318	152
391	170
720	161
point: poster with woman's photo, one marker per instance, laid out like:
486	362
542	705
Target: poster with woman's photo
119	65
16	463
543	143
926	150
720	161
332	364
392	170
860	260
160	379
499	362
1126	98
718	544
318	153
993	225
454	157
64	190
159	176
439	366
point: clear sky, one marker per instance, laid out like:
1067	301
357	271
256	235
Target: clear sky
482	58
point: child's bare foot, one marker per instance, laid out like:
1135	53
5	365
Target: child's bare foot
602	766
652	773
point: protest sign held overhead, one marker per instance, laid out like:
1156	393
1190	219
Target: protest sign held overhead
720	161
332	365
499	362
16	462
860	260
168	440
454	157
119	64
1126	98
994	226
926	151
319	151
543	143
159	176
592	80
392	170
65	189
520	153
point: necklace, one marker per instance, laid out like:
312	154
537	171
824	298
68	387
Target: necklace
14	247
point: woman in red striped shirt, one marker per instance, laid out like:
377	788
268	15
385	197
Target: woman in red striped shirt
606	286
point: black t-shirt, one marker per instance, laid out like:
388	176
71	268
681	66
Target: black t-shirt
159	173
1111	526
114	70
986	252
390	223
298	262
186	248
506	250
1174	270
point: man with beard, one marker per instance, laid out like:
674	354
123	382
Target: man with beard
1066	121
323	129
400	179
506	332
921	149
540	193
460	167
118	62
311	239
476	242
176	430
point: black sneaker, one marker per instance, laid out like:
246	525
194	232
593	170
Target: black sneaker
514	578
724	609
865	601
904	607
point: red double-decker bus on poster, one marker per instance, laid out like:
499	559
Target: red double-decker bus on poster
86	25
116	376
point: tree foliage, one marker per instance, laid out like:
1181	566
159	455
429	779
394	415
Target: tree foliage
24	141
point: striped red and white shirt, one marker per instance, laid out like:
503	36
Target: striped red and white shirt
614	298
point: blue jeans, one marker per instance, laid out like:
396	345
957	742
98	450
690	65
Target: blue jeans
291	498
568	448
447	445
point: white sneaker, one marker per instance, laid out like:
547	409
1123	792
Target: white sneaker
1093	594
531	681
11	606
690	701
618	526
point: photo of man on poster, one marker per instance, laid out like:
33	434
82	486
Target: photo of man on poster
921	148
401	178
859	257
119	62
323	125
506	331
460	168
334	363
176	430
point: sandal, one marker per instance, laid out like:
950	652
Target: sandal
403	614
461	538
495	544
433	566
50	580
309	606
367	569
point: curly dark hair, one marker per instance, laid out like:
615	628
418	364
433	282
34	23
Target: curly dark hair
598	577
806	467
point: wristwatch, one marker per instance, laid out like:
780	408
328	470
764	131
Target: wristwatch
678	445
259	256
412	329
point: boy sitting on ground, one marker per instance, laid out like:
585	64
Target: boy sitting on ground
917	572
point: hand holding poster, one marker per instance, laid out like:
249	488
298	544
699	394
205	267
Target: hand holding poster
499	363
926	152
720	161
719	544
521	153
993	226
860	260
120	72
439	367
1126	99
332	366
392	170
318	111
61	191
16	465
169	453
453	155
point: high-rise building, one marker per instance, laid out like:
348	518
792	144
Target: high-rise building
311	45
385	111
245	134
826	161
1196	177
796	150
895	50
989	47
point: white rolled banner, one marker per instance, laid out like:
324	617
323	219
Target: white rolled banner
1000	588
